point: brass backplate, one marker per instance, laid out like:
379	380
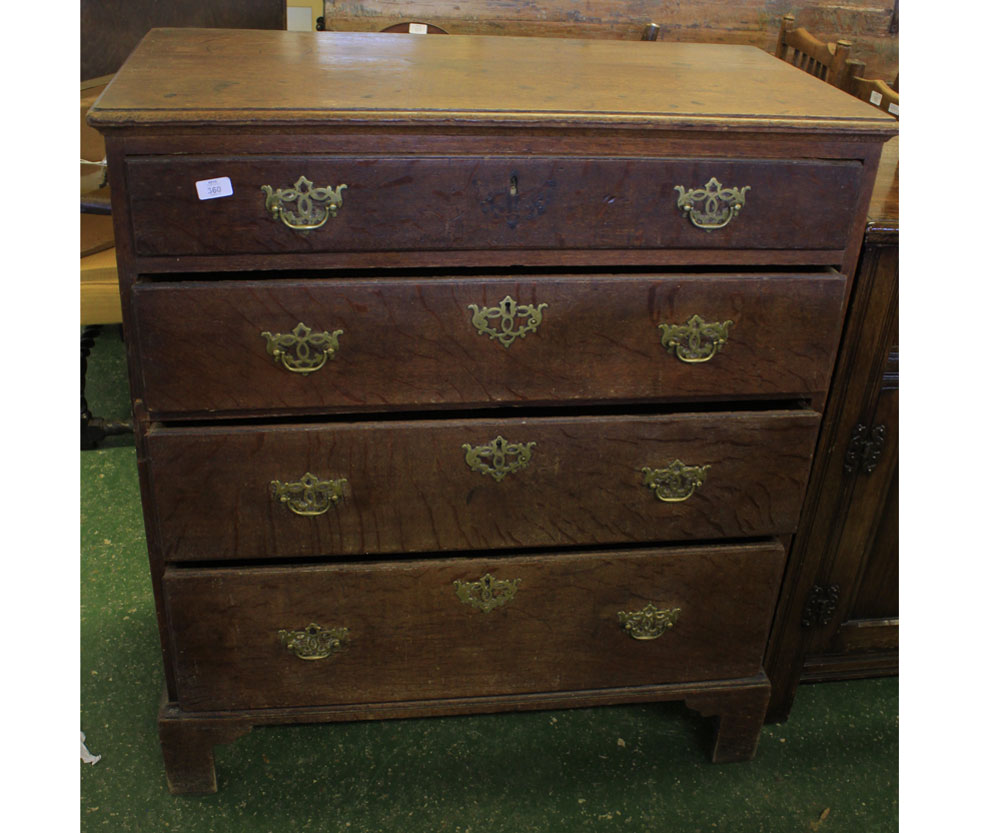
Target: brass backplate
514	320
696	340
649	623
487	592
308	495
676	482
314	641
498	458
302	350
711	206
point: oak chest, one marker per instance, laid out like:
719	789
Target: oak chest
473	374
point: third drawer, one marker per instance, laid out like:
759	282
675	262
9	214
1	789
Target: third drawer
231	492
295	345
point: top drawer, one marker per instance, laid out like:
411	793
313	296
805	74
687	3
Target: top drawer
435	203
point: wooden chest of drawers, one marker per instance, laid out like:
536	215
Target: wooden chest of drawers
473	374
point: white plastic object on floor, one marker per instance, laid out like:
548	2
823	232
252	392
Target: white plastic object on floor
85	755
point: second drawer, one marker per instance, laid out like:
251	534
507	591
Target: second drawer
279	346
437	485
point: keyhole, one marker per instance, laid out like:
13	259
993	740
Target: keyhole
513	186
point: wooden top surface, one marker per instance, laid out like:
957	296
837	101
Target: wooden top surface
228	77
884	206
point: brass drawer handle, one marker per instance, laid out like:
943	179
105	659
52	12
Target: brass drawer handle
697	340
308	496
486	593
719	205
498	458
649	623
302	350
676	482
508	311
314	641
303	207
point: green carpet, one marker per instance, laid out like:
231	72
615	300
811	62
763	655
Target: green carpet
833	767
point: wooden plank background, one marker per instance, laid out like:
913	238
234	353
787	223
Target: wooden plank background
868	24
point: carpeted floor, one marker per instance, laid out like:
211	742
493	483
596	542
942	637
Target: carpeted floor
833	767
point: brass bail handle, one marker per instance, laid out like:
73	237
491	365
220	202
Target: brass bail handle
711	206
309	496
651	622
696	340
314	641
304	206
674	483
303	350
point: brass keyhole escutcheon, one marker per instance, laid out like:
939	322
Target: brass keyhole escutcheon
498	458
486	593
515	320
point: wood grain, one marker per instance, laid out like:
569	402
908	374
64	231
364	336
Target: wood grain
884	207
598	120
849	532
409	343
188	736
190	77
410	489
476	203
411	637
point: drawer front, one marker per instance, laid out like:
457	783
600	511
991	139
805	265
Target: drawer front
423	486
495	203
378	632
406	343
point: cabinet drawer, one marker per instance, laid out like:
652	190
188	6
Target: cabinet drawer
466	627
464	484
438	203
407	343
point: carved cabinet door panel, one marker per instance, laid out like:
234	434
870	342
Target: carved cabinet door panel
865	563
839	611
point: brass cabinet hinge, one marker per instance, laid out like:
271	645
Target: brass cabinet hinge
820	605
864	449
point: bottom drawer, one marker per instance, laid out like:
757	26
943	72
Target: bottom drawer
333	634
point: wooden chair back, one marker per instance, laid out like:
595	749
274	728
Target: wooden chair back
877	93
874	91
826	61
650	32
414	27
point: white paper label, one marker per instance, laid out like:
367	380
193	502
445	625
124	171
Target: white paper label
418	28
875	98
894	108
212	189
